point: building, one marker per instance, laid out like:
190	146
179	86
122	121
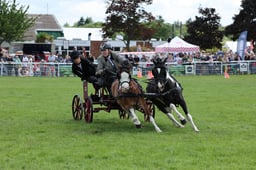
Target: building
44	23
65	39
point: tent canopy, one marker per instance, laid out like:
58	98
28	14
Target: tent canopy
177	45
232	45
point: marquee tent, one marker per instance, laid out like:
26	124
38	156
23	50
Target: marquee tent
177	45
232	45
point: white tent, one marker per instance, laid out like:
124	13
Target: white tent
232	45
177	45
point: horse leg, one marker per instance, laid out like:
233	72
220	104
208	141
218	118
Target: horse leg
179	115
143	105
172	118
152	120
192	122
189	117
166	110
134	118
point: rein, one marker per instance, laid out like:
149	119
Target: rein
169	91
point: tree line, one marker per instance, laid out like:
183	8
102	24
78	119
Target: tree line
133	22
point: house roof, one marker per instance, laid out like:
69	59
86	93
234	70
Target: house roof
83	33
43	22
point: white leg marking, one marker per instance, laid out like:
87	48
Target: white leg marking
134	117
192	122
174	108
174	120
152	120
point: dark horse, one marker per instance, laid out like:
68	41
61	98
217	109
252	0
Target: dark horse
129	95
169	93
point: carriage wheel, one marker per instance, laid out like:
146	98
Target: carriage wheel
152	109
77	108
88	110
123	114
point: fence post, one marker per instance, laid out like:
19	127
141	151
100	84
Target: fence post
1	69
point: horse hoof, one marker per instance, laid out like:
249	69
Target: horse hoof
183	122
138	126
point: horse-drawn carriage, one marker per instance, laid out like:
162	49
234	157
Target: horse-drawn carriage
163	90
100	100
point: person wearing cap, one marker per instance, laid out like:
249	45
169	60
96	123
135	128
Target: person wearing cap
107	67
83	68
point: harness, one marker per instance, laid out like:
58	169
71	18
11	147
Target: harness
160	95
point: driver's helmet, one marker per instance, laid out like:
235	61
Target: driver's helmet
105	46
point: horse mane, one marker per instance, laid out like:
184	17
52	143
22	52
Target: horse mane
124	67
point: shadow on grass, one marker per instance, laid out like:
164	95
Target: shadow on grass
108	125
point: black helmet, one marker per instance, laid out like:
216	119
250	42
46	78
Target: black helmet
74	55
105	46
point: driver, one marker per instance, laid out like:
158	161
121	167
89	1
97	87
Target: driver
107	67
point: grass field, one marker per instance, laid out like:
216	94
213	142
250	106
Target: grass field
37	130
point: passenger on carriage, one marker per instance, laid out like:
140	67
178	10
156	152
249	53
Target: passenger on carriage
83	68
107	67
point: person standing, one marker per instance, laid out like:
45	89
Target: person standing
9	64
17	67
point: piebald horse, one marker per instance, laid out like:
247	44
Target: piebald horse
170	94
129	95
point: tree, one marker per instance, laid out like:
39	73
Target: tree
126	17
85	23
81	22
88	20
245	20
43	37
204	30
13	21
161	29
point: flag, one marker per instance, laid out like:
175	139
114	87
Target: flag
241	44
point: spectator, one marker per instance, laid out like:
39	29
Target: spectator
52	60
17	66
67	59
9	65
25	61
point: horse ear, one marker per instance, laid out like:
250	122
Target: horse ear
165	59
154	61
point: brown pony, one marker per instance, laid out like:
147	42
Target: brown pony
129	95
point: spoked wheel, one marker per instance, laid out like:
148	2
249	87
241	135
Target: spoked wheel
77	108
152	109
123	114
88	110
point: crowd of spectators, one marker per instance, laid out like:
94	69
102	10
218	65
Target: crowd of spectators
20	64
189	58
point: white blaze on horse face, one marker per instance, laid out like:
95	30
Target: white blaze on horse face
160	86
124	82
158	70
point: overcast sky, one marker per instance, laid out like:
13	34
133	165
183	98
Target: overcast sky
70	11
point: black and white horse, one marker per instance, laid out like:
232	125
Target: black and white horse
170	94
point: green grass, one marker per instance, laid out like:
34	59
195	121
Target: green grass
37	130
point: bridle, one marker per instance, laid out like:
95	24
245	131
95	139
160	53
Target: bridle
160	77
124	80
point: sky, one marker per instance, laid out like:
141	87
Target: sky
70	11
